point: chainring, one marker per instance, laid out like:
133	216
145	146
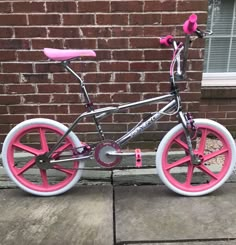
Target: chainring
101	156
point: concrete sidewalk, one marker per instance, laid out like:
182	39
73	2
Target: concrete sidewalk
107	214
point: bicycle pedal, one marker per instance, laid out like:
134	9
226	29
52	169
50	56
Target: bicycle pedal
138	157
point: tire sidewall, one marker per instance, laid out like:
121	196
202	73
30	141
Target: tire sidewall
46	122
174	131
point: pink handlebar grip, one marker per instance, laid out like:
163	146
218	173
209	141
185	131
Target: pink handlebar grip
166	40
190	25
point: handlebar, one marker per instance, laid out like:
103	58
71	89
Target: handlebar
190	25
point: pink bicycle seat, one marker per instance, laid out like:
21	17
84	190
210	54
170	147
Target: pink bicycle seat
67	54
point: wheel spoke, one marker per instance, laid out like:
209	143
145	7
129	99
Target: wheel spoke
60	168
202	142
181	161
207	171
215	154
43	140
26	167
189	175
60	150
44	177
181	143
27	148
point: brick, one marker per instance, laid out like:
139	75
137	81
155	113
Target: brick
20	89
48	67
9	99
106	88
144	87
127	31
65	98
174	19
157	54
97	77
35	78
51	88
63	32
121	43
23	109
96	31
158	31
144	66
47	43
6	32
103	54
63	78
78	19
78	43
7	55
28	7
151	6
145	19
16	67
53	109
77	109
84	67
26	32
14	44
144	43
9	78
201	5
156	76
62	7
12	20
112	19
91	88
125	97
127	77
5	7
31	56
127	6
114	66
93	6
11	119
44	19
3	110
127	55
36	98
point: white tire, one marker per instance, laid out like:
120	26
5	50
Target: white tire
13	146
216	149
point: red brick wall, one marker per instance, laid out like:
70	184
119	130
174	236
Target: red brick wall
130	64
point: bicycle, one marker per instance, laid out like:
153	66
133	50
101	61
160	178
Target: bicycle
194	158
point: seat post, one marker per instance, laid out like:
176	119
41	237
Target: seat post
89	103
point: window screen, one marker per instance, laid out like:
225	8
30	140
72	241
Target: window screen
220	49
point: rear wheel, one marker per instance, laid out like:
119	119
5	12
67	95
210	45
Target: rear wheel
213	145
33	138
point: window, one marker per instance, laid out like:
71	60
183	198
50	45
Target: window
220	49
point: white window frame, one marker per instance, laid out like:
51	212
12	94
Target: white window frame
221	79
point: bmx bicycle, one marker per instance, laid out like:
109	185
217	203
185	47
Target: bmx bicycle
194	158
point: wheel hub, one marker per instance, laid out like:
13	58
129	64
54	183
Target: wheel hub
43	162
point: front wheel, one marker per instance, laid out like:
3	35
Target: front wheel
33	138
214	146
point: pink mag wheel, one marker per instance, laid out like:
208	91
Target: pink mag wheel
215	148
32	138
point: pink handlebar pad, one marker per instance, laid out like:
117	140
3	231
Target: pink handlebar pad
166	40
190	25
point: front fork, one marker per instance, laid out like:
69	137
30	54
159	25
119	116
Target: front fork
189	128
